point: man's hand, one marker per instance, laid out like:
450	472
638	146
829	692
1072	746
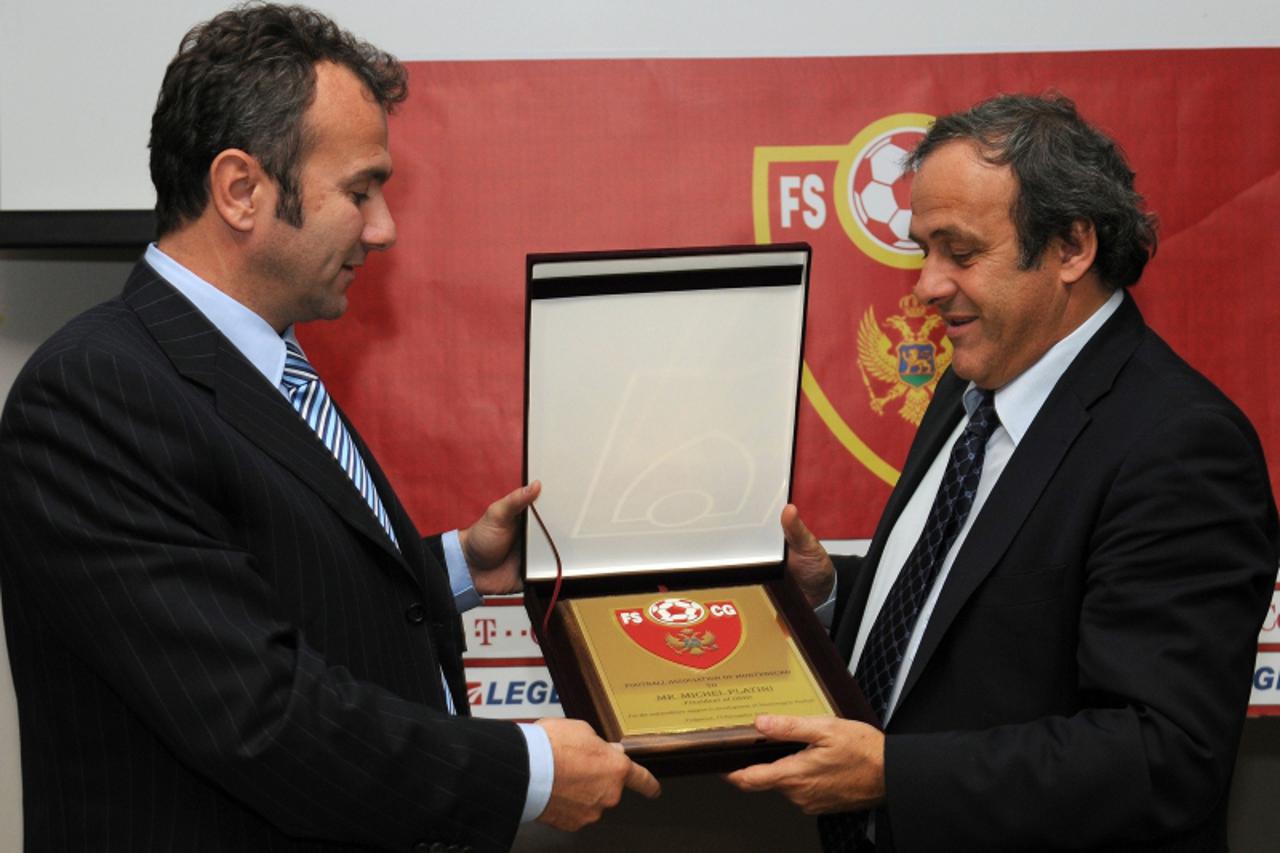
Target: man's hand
589	775
489	544
841	769
807	561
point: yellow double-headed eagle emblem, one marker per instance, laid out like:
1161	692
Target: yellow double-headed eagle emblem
689	640
906	370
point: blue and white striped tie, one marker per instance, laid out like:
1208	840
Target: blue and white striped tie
310	400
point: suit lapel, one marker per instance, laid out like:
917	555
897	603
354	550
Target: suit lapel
1033	465
247	402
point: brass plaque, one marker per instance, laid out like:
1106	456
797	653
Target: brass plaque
694	660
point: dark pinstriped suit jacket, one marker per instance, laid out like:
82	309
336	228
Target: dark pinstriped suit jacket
214	645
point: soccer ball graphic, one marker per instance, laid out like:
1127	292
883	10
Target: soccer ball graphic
677	611
880	189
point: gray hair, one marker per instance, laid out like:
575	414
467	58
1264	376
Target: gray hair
1067	170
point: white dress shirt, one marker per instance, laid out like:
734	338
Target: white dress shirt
1017	405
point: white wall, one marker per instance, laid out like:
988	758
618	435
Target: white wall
78	78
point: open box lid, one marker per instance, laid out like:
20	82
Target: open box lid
661	392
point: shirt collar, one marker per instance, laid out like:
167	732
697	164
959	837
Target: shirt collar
1018	402
247	331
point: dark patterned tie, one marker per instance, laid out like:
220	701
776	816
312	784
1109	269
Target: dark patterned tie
887	642
310	400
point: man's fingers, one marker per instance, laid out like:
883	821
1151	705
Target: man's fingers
764	777
796	729
798	536
507	508
791	519
487	542
757	777
642	781
529	493
638	778
807	561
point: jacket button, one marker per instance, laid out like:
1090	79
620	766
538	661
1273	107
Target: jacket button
416	614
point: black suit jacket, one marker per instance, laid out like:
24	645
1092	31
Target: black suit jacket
1083	680
214	644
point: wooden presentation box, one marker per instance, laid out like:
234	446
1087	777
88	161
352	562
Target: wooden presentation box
661	395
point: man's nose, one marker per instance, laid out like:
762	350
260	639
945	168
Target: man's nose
933	284
379	225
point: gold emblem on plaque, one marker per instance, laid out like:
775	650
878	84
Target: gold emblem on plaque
695	660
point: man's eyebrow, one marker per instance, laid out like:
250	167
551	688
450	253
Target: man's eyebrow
381	174
945	233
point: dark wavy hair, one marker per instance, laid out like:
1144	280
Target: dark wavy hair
243	80
1067	171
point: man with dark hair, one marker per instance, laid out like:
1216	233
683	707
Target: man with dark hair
224	630
245	81
1057	616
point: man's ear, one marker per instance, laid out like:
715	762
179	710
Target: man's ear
238	188
1077	252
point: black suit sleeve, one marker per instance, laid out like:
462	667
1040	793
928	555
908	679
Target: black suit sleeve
131	547
1181	552
436	547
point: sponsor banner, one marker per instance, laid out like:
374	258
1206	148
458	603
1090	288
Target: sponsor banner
1265	698
527	692
506	678
1264	701
1269	637
511	692
500	631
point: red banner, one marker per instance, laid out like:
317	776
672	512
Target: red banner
494	160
